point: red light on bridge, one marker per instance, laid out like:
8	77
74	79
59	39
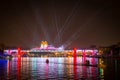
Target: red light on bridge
75	56
75	52
19	52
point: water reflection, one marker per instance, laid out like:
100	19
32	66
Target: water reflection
3	69
58	68
34	69
19	68
8	69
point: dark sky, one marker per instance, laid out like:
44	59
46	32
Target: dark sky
72	23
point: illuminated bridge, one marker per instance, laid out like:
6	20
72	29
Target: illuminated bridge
79	51
49	49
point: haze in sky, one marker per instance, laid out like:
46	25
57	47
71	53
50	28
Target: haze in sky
72	23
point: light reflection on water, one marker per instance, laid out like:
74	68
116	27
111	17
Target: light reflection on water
58	68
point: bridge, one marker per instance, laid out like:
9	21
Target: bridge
42	51
48	49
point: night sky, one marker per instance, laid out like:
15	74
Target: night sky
72	23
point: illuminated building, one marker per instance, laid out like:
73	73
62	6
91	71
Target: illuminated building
44	45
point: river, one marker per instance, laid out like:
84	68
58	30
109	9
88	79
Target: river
59	68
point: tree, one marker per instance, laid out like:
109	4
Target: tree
2	47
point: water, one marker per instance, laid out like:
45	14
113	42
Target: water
58	68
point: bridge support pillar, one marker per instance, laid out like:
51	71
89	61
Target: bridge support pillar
84	56
19	52
75	56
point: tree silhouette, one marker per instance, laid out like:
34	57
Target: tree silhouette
2	47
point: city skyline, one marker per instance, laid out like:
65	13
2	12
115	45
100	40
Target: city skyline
72	23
